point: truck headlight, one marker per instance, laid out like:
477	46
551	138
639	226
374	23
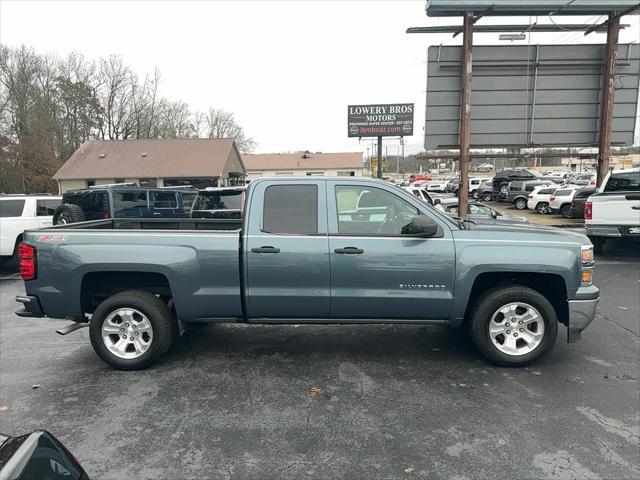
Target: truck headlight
587	254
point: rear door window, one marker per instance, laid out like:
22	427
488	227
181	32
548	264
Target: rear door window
11	208
164	200
291	209
129	203
623	182
546	191
562	193
47	208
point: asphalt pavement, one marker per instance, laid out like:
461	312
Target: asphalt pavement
329	402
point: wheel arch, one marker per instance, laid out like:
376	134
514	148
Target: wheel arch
96	286
551	285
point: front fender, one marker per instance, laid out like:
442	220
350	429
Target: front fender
477	257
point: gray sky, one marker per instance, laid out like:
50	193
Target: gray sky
286	69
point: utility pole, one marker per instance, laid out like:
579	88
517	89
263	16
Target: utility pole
608	91
402	144
379	172
465	113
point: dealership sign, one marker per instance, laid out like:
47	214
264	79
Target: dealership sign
387	120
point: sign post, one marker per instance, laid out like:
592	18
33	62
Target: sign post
380	120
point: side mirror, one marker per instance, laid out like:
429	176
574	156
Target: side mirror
421	226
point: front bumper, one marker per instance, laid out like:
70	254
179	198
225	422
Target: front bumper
31	306
581	314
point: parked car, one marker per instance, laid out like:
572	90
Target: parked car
37	456
118	200
474	184
583	179
579	200
485	191
560	201
437	185
478	211
416	177
614	211
452	184
308	251
433	198
518	192
501	180
23	212
219	202
539	198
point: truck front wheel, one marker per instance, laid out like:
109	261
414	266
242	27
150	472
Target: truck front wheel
513	326
131	330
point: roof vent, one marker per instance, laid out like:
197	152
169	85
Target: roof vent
144	154
102	155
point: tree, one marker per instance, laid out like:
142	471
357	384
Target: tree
221	124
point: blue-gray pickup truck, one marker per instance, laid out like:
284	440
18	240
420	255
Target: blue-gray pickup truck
311	250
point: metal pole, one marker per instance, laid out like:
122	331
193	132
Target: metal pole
401	143
379	173
608	91
465	113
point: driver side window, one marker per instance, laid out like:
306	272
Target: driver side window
371	211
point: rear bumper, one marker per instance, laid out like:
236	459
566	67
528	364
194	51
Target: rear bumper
581	314
626	231
31	306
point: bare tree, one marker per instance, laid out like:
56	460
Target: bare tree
221	124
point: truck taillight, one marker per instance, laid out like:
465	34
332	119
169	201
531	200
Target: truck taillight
27	259
530	196
552	198
588	210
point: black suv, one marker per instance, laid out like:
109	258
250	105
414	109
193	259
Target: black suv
501	180
123	200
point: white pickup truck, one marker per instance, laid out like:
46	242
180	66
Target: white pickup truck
23	212
614	210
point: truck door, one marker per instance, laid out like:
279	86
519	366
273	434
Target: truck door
287	251
376	272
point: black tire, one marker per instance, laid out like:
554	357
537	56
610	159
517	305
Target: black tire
504	188
565	211
162	324
598	244
542	208
68	213
520	203
474	194
487	197
490	302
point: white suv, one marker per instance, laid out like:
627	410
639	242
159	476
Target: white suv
614	211
560	201
23	212
539	199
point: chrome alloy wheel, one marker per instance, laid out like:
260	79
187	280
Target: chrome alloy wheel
127	333
516	328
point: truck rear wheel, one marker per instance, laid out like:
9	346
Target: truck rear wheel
131	330
513	326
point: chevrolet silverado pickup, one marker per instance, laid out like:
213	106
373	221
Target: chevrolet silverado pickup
311	250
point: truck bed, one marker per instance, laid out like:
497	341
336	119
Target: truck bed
156	224
197	260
